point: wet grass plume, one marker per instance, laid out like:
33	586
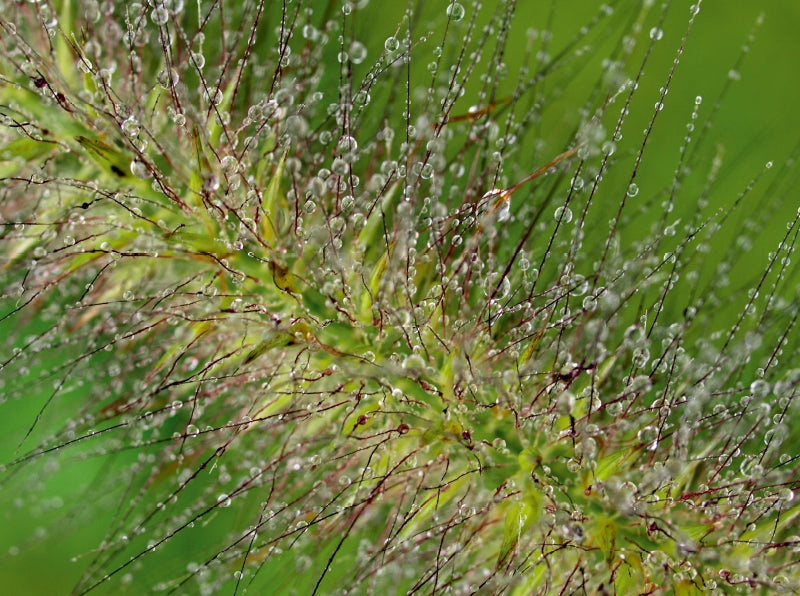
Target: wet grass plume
349	297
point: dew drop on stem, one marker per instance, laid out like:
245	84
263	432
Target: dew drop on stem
391	44
455	11
159	15
140	169
563	214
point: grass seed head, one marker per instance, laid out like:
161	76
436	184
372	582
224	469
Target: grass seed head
274	296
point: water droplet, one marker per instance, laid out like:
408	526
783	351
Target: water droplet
563	214
310	32
358	52
640	358
199	59
760	388
391	44
85	65
159	15
648	434
456	11
229	164
656	33
633	189
347	144
361	98
339	167
130	127
167	77
139	169
302	563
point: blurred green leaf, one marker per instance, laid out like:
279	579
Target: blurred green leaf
519	517
276	217
606	537
628	577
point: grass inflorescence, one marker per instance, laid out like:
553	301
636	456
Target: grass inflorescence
332	297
